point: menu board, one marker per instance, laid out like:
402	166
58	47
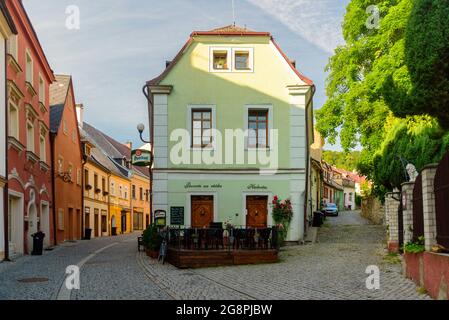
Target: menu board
177	216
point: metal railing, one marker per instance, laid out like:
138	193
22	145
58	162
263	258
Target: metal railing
237	238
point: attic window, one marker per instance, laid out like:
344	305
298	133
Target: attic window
221	60
242	60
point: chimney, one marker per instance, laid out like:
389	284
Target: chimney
129	144
293	63
80	114
167	63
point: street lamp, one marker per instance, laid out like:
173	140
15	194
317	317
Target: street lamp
141	129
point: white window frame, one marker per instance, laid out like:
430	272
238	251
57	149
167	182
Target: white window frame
13	46
268	107
250	62
125	193
29	77
64	127
213	108
211	59
41	89
42	147
112	188
16	120
30	138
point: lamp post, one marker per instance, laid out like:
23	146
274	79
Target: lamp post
141	129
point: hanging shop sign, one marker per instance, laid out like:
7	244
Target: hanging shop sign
141	158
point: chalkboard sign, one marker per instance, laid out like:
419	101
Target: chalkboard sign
177	216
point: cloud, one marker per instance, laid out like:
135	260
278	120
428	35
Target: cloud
317	21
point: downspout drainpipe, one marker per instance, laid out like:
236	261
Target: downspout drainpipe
83	163
149	96
306	197
5	190
53	177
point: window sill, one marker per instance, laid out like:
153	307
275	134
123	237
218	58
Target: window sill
15	143
30	88
42	107
44	167
31	156
13	63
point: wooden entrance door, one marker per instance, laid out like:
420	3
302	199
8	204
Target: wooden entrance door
96	223
257	211
202	211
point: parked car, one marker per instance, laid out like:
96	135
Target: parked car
331	209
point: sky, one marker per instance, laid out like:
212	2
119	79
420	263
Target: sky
123	43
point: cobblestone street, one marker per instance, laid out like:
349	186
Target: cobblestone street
333	268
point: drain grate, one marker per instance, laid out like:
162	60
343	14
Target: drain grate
33	280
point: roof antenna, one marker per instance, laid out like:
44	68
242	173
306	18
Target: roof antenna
233	11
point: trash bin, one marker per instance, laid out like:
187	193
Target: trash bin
317	219
38	243
87	233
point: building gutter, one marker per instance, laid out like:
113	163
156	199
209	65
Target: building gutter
53	177
147	93
5	188
308	143
83	163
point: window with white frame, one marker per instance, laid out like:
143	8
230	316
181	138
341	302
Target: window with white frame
29	67
30	136
126	193
42	147
41	89
13	123
120	191
78	176
60	164
227	59
112	188
70	171
243	59
259	122
201	128
12	46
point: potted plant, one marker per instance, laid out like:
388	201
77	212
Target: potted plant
152	241
227	226
282	215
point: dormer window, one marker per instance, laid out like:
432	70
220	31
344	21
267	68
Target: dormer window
221	60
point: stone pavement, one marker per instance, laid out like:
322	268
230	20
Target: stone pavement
333	268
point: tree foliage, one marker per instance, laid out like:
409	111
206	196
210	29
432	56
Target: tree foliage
426	90
342	160
381	73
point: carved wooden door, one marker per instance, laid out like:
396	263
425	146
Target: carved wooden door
257	212
202	211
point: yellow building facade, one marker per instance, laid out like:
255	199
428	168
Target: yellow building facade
140	198
120	204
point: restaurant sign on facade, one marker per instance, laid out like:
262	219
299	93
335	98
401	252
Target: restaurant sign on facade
141	158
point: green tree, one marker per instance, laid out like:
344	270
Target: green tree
426	91
342	160
371	80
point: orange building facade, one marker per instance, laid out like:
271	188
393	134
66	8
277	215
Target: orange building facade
66	160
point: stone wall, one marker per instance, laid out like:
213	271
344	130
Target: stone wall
373	210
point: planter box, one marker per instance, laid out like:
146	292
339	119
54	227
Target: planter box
429	270
436	277
152	254
414	267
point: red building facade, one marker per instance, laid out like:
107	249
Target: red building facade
29	159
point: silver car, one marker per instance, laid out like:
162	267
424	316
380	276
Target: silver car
331	209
